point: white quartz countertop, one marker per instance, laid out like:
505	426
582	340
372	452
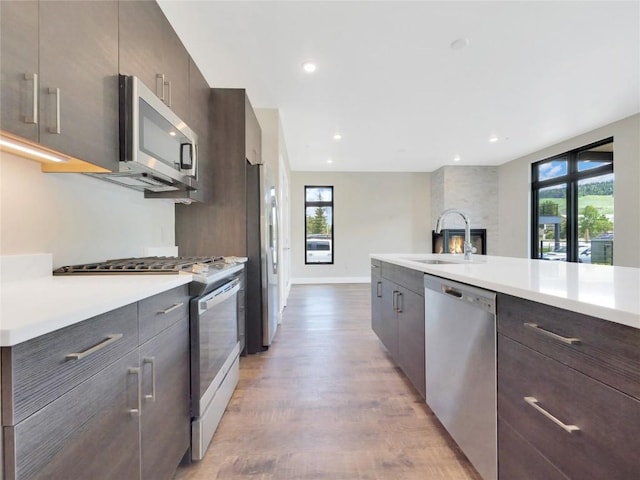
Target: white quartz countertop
30	307
610	293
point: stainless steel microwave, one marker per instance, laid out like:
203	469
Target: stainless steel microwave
158	151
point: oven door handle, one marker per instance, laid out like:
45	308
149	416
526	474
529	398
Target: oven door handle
216	299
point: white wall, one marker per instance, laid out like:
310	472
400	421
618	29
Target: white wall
374	213
515	187
474	190
76	218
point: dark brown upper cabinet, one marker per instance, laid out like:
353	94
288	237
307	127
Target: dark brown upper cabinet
151	50
199	121
59	77
19	68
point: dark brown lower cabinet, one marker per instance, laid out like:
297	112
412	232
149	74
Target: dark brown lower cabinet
389	318
568	394
585	428
165	423
519	460
397	317
411	341
124	412
376	298
86	432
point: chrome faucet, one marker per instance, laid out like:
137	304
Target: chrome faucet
468	249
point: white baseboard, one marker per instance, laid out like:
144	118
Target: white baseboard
319	280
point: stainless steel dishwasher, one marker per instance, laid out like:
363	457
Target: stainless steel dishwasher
460	357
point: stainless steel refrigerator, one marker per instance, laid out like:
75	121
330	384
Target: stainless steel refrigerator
262	307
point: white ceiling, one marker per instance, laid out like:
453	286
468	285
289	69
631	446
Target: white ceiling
533	74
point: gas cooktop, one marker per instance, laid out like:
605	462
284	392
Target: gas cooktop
148	265
207	271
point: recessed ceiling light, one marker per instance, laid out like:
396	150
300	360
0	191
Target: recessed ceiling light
309	67
493	139
456	158
337	136
329	160
172	133
459	44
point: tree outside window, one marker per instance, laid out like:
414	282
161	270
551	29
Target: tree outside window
573	218
319	245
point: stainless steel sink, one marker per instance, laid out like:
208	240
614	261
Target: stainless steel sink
433	261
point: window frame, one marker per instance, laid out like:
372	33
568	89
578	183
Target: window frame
320	203
571	179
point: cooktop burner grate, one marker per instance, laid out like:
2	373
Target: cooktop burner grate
144	265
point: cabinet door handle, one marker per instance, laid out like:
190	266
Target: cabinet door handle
379	289
56	129
555	336
168	97
160	83
534	403
33	118
171	308
99	346
394	301
399	302
152	361
135	412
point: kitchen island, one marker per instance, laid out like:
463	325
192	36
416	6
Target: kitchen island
567	342
609	293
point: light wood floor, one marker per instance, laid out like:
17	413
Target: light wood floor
326	402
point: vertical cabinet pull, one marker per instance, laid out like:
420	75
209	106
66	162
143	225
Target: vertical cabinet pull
168	97
152	361
163	89
56	129
397	301
160	83
379	289
534	403
394	301
555	336
135	412
33	118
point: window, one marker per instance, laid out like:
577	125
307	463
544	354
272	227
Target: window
318	207
572	197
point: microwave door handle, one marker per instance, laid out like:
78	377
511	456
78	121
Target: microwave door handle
218	299
186	149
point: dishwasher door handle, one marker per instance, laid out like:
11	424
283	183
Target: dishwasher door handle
453	292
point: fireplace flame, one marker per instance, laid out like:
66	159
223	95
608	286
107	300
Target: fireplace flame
456	244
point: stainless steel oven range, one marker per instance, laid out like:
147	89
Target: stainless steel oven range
215	350
217	329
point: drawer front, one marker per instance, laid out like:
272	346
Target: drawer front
601	349
86	433
161	311
406	277
518	460
607	442
36	372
